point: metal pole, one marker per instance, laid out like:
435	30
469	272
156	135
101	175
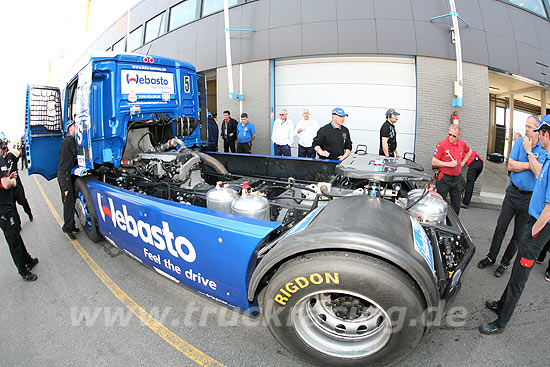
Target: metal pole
458	86
228	47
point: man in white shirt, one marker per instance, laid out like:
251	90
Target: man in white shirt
306	130
283	134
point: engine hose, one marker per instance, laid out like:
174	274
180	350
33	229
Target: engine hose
214	163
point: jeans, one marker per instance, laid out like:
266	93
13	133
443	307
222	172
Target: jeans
281	150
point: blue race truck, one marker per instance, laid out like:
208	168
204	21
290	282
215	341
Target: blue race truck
352	262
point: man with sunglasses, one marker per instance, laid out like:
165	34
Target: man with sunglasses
535	234
525	162
450	155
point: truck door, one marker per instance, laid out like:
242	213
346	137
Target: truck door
43	130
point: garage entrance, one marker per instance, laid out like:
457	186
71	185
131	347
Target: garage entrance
365	87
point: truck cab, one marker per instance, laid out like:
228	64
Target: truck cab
120	103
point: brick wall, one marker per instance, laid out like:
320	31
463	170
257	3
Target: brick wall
255	103
435	79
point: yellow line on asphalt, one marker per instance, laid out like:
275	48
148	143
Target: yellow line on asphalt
170	337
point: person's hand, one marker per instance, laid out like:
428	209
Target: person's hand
300	130
13	175
342	157
397	155
231	134
527	143
535	230
324	153
452	163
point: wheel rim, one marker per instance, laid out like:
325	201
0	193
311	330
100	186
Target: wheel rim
82	211
341	324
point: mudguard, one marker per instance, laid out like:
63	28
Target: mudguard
363	224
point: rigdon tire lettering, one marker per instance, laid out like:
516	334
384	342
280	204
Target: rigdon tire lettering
344	309
85	210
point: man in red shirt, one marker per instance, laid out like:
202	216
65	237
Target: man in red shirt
475	166
450	155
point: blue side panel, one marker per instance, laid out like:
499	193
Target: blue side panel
205	250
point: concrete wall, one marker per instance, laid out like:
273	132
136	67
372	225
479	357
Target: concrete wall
255	103
434	108
500	35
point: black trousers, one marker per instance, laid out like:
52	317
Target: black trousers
11	226
528	251
20	198
229	145
474	170
67	196
515	205
244	147
307	152
212	147
451	185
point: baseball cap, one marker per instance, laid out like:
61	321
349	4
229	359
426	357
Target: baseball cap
544	124
392	111
209	114
338	111
69	123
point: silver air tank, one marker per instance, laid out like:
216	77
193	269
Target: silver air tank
429	209
220	198
252	205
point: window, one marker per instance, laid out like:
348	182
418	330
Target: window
135	38
535	6
154	28
120	46
182	13
212	6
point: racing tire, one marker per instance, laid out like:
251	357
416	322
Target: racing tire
344	309
85	211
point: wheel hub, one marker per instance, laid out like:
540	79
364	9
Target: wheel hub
346	307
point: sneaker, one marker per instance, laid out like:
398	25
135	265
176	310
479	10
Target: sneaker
69	234
547	275
29	277
465	206
485	262
75	229
31	264
500	270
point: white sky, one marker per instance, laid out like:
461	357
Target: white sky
35	32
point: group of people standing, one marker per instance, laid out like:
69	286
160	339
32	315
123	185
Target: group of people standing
237	136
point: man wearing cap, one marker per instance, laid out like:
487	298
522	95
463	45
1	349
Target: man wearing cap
11	156
333	140
535	234
282	135
450	155
11	224
213	133
67	161
525	163
388	140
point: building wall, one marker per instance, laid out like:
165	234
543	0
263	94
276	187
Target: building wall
255	102
434	110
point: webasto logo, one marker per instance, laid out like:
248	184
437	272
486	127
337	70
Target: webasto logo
161	238
146	80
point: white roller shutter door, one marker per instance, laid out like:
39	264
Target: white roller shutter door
365	87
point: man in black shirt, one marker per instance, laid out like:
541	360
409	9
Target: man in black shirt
388	140
11	224
67	161
333	140
11	156
229	132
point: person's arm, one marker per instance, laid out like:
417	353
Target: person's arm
16	152
385	146
466	157
253	137
541	222
513	164
345	155
396	154
7	182
534	165
321	152
439	163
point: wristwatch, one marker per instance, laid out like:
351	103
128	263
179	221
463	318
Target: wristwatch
530	152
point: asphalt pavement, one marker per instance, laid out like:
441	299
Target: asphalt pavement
70	317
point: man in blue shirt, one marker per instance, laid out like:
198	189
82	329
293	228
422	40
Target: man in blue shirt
246	133
525	162
535	235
